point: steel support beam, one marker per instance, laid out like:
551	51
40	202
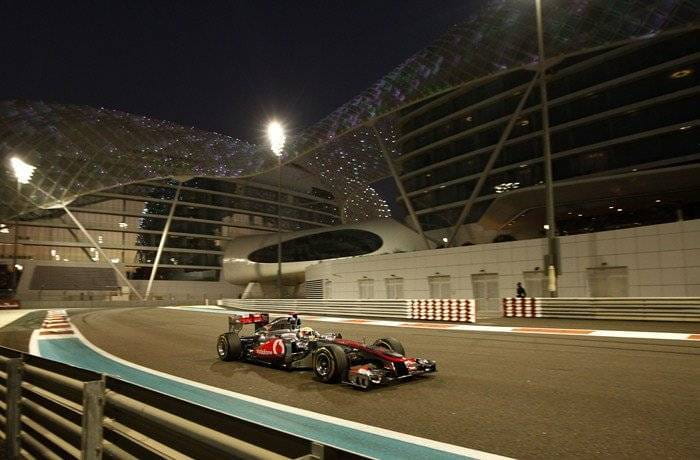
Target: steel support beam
279	227
550	227
14	258
399	184
492	161
92	241
161	244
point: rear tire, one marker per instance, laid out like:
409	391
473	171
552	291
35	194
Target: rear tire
228	346
391	344
330	363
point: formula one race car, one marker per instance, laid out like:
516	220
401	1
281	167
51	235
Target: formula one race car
284	344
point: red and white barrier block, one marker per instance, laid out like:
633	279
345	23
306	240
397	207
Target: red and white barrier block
457	310
522	307
9	304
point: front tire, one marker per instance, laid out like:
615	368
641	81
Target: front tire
228	347
391	344
330	363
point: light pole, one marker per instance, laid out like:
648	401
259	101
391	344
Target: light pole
276	136
23	173
550	226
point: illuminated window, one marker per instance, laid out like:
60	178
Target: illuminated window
682	73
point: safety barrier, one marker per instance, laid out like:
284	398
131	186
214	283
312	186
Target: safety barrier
458	310
55	411
624	308
521	307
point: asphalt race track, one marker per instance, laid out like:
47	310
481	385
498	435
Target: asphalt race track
525	396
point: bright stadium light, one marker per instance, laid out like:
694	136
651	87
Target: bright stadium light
275	134
23	171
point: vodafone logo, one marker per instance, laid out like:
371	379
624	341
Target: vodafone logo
278	347
271	348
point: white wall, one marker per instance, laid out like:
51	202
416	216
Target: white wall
662	260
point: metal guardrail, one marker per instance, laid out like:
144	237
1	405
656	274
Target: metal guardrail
55	411
459	310
623	308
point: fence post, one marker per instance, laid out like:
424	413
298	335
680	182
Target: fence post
13	399
93	409
318	450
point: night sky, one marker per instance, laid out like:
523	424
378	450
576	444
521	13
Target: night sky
223	66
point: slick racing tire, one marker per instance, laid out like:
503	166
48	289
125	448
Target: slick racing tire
330	363
391	344
228	347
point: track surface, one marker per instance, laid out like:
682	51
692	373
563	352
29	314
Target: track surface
522	396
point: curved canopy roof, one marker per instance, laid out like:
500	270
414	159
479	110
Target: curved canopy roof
79	150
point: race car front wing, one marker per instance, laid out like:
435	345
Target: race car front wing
365	375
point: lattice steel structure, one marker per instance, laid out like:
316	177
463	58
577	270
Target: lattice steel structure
79	150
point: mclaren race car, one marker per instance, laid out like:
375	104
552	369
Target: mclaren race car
284	344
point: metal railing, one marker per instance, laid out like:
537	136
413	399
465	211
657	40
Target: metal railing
623	308
460	310
55	411
376	308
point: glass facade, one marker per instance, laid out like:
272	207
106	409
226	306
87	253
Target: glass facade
128	223
625	109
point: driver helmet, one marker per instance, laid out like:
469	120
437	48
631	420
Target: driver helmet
306	333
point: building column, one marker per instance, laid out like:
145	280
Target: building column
102	253
161	244
399	184
550	227
492	161
14	258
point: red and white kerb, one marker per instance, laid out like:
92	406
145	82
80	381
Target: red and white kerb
56	323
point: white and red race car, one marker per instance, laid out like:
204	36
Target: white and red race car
283	343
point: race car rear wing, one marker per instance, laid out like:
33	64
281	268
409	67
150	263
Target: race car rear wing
236	322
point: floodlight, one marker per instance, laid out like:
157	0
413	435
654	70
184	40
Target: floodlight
275	134
23	171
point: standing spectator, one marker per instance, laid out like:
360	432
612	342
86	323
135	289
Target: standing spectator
520	291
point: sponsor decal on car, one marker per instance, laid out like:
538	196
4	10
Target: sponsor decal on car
272	348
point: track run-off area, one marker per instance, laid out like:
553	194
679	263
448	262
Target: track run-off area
524	394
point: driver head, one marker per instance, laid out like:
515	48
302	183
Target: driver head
306	333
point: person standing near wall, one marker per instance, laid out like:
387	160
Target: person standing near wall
520	291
